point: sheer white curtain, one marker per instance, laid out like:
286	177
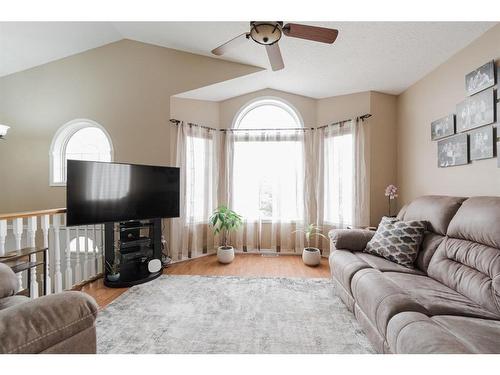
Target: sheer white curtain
266	185
340	182
197	153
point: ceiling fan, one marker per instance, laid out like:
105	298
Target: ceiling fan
268	33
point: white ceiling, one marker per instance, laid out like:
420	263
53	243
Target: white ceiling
382	56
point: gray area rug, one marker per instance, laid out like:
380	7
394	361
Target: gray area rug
205	314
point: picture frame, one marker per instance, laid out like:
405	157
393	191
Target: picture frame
480	78
453	151
443	127
482	143
476	111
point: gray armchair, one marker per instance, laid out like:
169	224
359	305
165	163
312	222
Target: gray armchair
58	323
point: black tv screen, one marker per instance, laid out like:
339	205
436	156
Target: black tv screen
98	192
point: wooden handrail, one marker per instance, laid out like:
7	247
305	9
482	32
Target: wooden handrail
17	215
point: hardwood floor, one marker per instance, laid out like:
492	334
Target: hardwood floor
251	265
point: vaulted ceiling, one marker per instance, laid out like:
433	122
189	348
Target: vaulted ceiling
381	56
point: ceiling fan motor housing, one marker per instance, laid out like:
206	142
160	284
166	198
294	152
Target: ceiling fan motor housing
266	32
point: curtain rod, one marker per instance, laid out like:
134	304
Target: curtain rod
340	123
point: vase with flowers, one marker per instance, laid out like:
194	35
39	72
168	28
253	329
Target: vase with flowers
391	192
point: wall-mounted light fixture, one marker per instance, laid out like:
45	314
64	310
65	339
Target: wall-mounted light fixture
3	131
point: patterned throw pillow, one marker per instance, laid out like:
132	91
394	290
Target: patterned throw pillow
397	241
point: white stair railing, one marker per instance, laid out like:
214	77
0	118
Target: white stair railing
67	264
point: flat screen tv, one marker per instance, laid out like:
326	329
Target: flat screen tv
98	192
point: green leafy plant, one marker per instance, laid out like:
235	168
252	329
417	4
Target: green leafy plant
223	221
310	231
113	268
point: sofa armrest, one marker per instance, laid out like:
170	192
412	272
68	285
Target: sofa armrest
350	239
8	281
35	326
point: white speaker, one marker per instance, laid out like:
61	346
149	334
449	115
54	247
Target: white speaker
154	265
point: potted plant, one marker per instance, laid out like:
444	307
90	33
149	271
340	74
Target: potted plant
223	221
311	256
113	270
391	192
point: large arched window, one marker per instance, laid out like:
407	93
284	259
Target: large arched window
78	140
268	162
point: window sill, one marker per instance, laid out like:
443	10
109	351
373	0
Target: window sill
54	184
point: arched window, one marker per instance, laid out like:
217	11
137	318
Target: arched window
267	113
268	162
78	140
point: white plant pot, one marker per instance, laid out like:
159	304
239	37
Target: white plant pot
225	254
311	256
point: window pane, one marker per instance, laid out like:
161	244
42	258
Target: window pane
267	180
89	144
338	179
199	170
268	116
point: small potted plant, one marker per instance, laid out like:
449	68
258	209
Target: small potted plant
391	192
113	270
311	256
223	221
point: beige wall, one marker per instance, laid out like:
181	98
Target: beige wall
125	86
383	160
430	98
202	112
338	108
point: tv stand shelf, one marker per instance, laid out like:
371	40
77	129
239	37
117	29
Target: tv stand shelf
133	244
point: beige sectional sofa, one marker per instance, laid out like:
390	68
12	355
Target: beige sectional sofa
450	301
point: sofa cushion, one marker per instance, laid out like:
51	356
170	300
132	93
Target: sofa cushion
436	210
430	243
471	269
343	266
397	241
437	298
382	295
412	332
380	299
385	265
478	335
478	220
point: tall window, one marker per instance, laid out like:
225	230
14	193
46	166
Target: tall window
199	175
267	170
338	176
78	140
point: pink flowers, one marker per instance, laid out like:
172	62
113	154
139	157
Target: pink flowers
391	191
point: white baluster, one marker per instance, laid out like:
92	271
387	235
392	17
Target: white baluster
99	248
17	229
69	274
86	257
3	235
78	267
32	226
58	284
45	225
93	269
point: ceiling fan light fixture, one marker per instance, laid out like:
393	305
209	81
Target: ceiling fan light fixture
266	33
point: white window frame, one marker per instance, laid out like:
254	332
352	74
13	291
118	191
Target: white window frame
61	139
267	100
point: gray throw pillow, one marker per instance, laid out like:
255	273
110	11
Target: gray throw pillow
397	241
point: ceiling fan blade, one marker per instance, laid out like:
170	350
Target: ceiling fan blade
315	33
222	49
274	55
